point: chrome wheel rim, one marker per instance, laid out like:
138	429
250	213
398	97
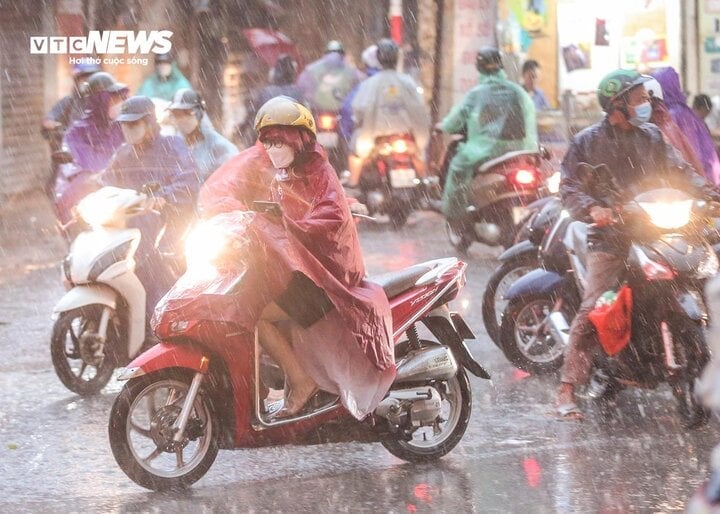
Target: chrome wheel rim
79	368
149	430
532	335
429	437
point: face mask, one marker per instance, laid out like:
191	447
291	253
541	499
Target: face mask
186	124
133	133
164	69
114	111
281	156
643	112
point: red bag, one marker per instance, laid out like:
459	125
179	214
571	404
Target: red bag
614	322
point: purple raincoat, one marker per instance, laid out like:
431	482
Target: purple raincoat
693	127
93	139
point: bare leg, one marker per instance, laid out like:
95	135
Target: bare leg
302	386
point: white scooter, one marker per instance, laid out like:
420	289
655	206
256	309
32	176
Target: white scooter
100	322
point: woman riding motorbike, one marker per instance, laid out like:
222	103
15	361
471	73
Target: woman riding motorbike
309	266
93	139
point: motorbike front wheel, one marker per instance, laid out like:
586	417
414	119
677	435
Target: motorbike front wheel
73	350
493	305
141	432
432	442
691	344
525	336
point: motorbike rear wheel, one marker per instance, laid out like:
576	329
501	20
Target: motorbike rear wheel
141	431
493	306
67	353
443	437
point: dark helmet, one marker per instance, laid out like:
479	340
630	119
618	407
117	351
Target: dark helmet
187	98
334	46
387	53
616	84
103	81
136	108
488	60
166	57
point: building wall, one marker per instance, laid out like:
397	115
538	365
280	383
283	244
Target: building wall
24	162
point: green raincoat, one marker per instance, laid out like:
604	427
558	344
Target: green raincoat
499	117
156	87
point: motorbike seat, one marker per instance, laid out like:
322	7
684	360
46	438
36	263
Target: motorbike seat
395	283
506	157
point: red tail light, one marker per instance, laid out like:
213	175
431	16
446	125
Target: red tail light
327	122
524	177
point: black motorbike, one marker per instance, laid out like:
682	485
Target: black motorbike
668	263
389	183
516	261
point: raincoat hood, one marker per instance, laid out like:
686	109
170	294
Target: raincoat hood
670	82
690	124
333	60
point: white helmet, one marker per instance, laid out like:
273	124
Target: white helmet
653	88
369	57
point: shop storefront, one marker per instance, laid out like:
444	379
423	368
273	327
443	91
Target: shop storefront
577	42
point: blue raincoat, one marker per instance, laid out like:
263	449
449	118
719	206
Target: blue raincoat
165	161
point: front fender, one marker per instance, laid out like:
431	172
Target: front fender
522	249
84	295
691	304
166	355
537	282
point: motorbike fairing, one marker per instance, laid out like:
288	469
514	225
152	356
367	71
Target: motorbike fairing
537	282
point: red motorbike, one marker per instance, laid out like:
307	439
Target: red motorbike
202	387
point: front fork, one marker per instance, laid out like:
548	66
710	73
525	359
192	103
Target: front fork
182	420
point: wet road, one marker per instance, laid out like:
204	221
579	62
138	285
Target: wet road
54	454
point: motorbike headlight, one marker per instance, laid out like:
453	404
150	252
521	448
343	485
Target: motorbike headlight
94	211
668	215
203	246
553	183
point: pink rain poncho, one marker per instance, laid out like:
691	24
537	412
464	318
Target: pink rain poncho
349	350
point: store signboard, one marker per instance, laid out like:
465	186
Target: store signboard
473	28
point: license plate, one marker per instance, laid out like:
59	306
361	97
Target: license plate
519	214
328	139
403	177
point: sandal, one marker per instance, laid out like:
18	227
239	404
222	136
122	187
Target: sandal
285	412
568	412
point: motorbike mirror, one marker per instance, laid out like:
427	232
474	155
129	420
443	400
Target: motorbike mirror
62	157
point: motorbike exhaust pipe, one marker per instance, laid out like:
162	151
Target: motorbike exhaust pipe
433	363
559	328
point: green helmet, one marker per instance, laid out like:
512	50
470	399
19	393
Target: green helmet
617	83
